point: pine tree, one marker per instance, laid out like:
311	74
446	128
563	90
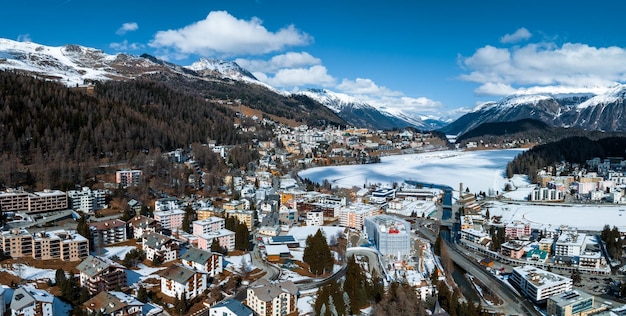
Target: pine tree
317	254
142	294
216	247
354	286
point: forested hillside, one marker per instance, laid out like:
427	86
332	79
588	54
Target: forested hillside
526	130
54	135
297	107
571	150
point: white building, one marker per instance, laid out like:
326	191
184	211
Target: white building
161	247
166	204
210	262
29	301
87	200
411	206
538	285
230	307
172	219
569	244
390	234
273	299
177	279
315	218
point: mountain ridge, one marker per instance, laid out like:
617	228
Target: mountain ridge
75	65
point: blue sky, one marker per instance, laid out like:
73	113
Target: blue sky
431	57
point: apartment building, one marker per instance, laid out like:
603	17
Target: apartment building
171	219
113	303
513	249
29	301
538	285
166	204
352	215
569	244
516	230
13	200
108	232
177	280
87	200
139	225
57	244
225	237
99	274
127	178
210	262
208	225
273	299
243	216
160	247
315	218
570	304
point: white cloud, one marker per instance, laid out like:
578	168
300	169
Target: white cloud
295	77
571	66
286	60
127	27
125	46
24	38
222	34
365	86
521	34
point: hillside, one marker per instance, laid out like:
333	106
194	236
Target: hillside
52	134
525	131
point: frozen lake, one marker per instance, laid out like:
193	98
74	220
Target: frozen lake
477	170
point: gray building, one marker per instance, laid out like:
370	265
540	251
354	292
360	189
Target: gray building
390	234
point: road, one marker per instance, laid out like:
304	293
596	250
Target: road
512	302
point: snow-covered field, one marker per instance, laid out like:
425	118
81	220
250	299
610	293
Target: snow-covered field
117	251
239	263
27	272
302	232
583	217
477	170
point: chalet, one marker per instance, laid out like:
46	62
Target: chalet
268	299
113	304
177	279
210	262
139	225
31	301
160	247
99	274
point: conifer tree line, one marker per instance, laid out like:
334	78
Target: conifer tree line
51	134
613	241
572	150
360	290
242	234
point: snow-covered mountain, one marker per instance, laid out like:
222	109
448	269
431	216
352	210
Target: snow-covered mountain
606	111
359	113
76	65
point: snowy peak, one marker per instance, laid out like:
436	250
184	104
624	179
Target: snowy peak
360	113
605	110
616	94
227	69
333	100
